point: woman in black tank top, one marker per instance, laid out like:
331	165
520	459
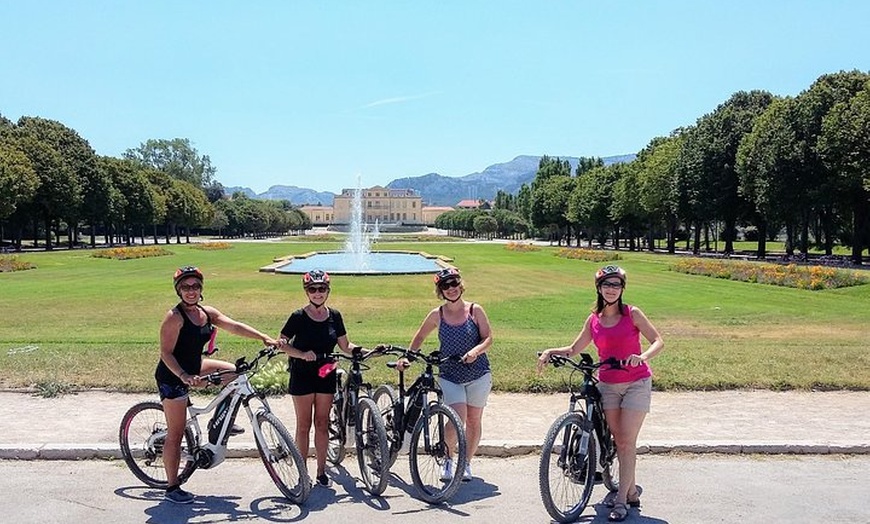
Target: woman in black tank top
185	330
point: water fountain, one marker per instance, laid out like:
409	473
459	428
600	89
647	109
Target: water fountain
358	257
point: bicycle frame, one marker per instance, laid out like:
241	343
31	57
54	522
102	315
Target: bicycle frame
208	454
424	384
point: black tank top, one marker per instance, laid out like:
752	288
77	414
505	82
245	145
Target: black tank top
188	348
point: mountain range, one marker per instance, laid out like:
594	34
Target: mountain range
435	189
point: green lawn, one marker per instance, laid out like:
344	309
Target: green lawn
88	322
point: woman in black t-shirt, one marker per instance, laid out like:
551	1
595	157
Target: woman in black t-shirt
310	334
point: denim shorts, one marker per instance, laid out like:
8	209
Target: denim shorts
626	395
472	393
172	391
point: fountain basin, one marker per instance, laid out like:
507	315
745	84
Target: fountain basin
376	263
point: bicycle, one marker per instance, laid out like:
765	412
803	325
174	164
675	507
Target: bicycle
352	407
428	421
143	432
568	470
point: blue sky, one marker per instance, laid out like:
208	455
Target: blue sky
315	94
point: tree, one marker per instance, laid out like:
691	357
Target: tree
485	225
18	180
658	185
177	158
63	174
844	146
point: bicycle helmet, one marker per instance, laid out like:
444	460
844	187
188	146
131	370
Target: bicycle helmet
314	277
186	272
446	273
610	271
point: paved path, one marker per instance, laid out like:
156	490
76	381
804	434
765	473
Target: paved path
85	425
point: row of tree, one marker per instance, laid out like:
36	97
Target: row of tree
799	164
795	164
52	182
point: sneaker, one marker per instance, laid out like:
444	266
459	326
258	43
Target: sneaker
178	496
406	444
323	480
236	430
447	471
466	475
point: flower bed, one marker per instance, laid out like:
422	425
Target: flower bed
592	255
521	247
787	275
13	263
127	253
212	246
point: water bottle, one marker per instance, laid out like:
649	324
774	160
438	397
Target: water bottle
214	425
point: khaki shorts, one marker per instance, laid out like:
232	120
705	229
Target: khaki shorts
472	393
626	395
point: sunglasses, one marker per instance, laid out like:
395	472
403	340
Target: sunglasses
317	289
612	285
190	287
449	284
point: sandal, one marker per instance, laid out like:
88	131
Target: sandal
618	513
635	502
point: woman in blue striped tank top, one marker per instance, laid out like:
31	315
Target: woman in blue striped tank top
463	330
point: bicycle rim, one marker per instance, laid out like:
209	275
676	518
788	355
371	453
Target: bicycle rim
610	472
372	448
141	438
282	459
565	476
428	462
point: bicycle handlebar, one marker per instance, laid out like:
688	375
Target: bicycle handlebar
434	358
585	363
242	366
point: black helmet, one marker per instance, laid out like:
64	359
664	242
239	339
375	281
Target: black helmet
446	273
185	272
314	277
609	271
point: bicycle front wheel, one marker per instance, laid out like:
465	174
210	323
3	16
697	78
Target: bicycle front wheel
385	397
437	467
282	458
610	472
142	435
335	448
566	476
372	449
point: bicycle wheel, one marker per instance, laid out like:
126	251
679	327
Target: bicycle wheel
566	477
282	458
610	472
141	436
428	463
385	397
337	435
372	448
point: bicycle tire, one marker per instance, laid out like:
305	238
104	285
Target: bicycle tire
372	447
426	466
335	447
141	437
385	398
282	458
610	471
566	479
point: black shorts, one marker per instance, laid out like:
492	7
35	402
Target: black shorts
306	383
172	391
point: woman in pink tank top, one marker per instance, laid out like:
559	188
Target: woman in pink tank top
615	329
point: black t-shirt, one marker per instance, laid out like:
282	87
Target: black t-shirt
306	334
188	348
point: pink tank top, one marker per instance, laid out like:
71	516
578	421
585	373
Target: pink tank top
619	341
